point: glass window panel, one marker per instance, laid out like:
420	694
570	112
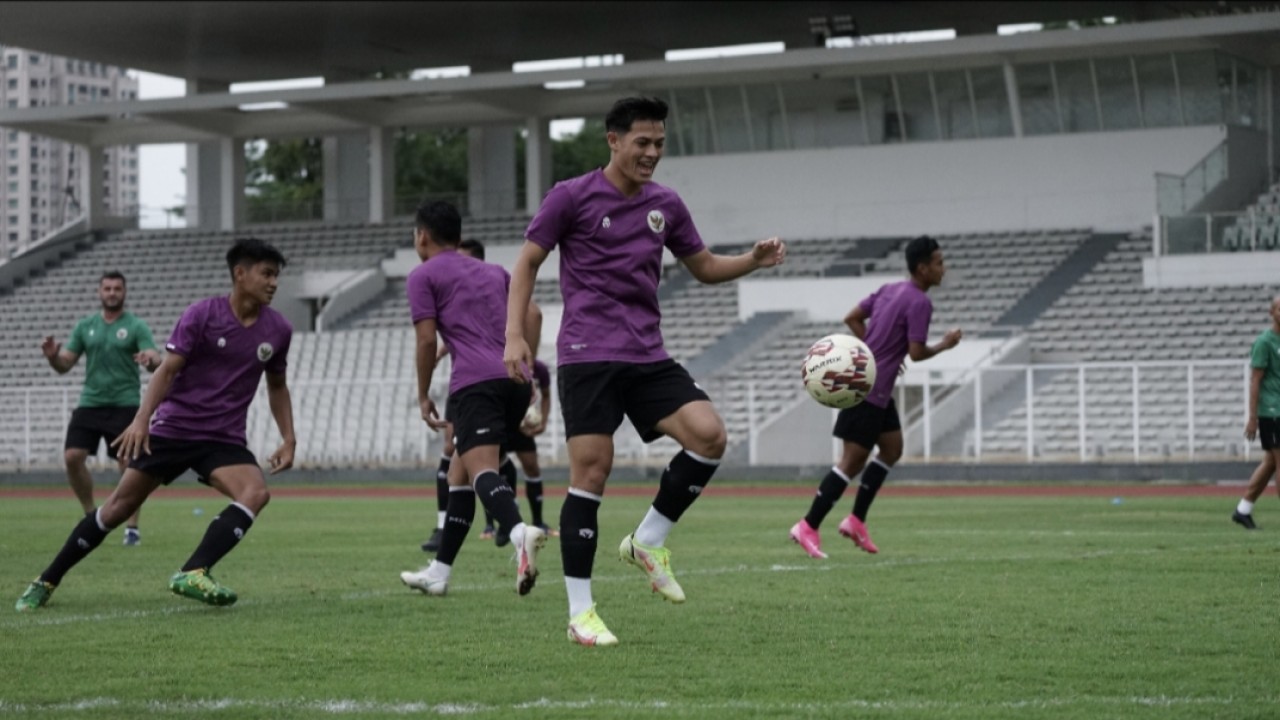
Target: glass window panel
1115	90
1155	83
730	120
993	102
1198	78
824	113
1248	90
693	124
768	126
1035	94
920	121
953	105
882	111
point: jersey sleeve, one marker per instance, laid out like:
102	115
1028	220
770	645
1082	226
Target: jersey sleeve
918	317
422	301
683	239
868	303
142	337
279	361
185	337
553	220
75	343
1259	355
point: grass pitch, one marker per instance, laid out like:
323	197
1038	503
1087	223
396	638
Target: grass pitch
976	607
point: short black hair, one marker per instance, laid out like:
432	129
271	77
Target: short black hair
113	275
920	250
627	111
442	220
474	248
251	251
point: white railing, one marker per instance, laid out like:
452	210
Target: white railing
1118	412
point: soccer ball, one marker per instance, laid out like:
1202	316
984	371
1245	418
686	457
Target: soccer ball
839	371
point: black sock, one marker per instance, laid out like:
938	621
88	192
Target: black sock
533	489
579	534
457	523
498	499
829	491
872	478
442	485
682	483
83	539
508	472
226	530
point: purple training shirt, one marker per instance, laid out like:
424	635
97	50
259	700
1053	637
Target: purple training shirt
468	300
898	314
542	375
210	397
610	264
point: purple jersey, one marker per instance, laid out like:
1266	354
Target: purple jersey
542	375
610	264
898	314
468	300
210	397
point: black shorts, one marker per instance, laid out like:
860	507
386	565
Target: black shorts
864	423
91	425
170	458
594	396
519	442
1269	433
487	413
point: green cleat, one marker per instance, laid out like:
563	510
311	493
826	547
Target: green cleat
200	585
36	596
656	563
586	628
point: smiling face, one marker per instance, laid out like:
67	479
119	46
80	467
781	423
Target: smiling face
634	155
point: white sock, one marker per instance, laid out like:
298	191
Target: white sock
517	534
579	590
438	570
440	519
1245	507
654	529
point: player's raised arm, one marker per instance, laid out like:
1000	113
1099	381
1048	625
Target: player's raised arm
709	268
518	355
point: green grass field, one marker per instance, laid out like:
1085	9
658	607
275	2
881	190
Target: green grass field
984	607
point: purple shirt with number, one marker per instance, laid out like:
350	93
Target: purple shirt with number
468	300
898	314
610	264
210	397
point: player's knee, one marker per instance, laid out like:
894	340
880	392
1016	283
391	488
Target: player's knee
74	457
255	498
889	456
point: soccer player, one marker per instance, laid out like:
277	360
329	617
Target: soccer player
611	226
1264	414
899	315
465	299
525	446
114	342
200	398
533	323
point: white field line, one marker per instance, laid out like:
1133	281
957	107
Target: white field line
40	619
343	707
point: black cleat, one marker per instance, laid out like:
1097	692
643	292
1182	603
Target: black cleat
1245	521
433	543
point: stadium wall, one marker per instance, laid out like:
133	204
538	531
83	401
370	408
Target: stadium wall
1103	181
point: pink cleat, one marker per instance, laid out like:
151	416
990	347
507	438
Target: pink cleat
852	528
807	538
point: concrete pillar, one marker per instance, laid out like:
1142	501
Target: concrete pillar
491	170
94	195
203	165
346	177
382	174
1015	100
231	171
537	163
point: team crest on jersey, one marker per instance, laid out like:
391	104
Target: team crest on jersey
656	221
265	351
606	222
122	334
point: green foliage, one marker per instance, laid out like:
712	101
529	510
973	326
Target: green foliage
975	608
284	178
579	153
431	163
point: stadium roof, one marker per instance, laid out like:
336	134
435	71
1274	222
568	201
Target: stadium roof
247	41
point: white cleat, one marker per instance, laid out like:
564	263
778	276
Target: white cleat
425	582
527	558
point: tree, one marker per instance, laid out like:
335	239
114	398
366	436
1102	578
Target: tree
430	163
579	153
284	179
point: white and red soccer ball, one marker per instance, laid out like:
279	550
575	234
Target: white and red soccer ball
839	371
